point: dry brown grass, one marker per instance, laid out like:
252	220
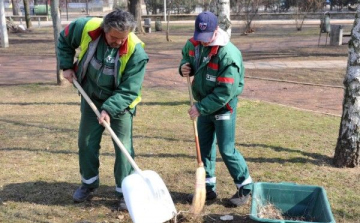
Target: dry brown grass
270	211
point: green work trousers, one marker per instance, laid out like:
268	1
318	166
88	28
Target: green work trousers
220	127
90	134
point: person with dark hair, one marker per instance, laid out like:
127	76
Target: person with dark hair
110	67
218	70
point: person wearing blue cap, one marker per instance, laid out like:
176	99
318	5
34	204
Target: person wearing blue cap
218	78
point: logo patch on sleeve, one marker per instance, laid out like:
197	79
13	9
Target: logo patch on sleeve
210	78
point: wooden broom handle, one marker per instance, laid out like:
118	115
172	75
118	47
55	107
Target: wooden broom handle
198	155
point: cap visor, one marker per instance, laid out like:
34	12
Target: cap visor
202	36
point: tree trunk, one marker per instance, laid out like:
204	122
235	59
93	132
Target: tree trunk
57	28
348	143
4	40
134	7
138	14
87	7
15	7
27	14
206	5
168	20
221	8
115	4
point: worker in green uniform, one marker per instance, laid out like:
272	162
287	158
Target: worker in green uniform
218	71
110	67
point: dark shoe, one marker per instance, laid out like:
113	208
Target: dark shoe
83	193
210	196
122	205
240	197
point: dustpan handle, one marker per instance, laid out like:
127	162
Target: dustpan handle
107	126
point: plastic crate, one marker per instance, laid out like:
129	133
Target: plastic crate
305	202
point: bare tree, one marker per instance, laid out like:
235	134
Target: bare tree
54	5
303	8
221	8
206	5
15	7
168	20
115	4
27	14
347	151
134	7
250	9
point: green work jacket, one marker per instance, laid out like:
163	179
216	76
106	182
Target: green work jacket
218	74
129	68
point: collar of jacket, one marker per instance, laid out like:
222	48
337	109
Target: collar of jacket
214	49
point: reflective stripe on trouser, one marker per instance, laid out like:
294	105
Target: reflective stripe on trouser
220	127
90	134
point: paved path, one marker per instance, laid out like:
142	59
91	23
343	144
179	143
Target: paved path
295	64
322	99
9	63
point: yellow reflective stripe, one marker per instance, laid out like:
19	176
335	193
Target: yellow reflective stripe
132	41
92	24
136	101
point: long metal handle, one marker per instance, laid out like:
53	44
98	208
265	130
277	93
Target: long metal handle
107	126
198	155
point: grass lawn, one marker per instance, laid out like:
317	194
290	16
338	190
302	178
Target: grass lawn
39	126
38	154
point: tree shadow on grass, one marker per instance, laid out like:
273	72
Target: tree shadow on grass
304	156
53	193
206	216
40	103
24	83
60	193
313	158
38	126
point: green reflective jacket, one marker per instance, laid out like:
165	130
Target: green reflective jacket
218	74
85	34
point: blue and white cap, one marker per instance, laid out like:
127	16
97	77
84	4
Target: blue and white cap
205	26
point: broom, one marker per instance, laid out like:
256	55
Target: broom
198	201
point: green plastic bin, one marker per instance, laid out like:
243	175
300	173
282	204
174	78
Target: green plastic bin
305	202
41	10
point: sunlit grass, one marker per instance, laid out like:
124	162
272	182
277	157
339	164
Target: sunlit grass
38	155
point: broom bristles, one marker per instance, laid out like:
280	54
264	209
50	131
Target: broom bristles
199	198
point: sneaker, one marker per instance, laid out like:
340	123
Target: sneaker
122	205
210	196
240	197
83	193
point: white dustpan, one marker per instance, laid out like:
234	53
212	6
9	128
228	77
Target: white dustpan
146	196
